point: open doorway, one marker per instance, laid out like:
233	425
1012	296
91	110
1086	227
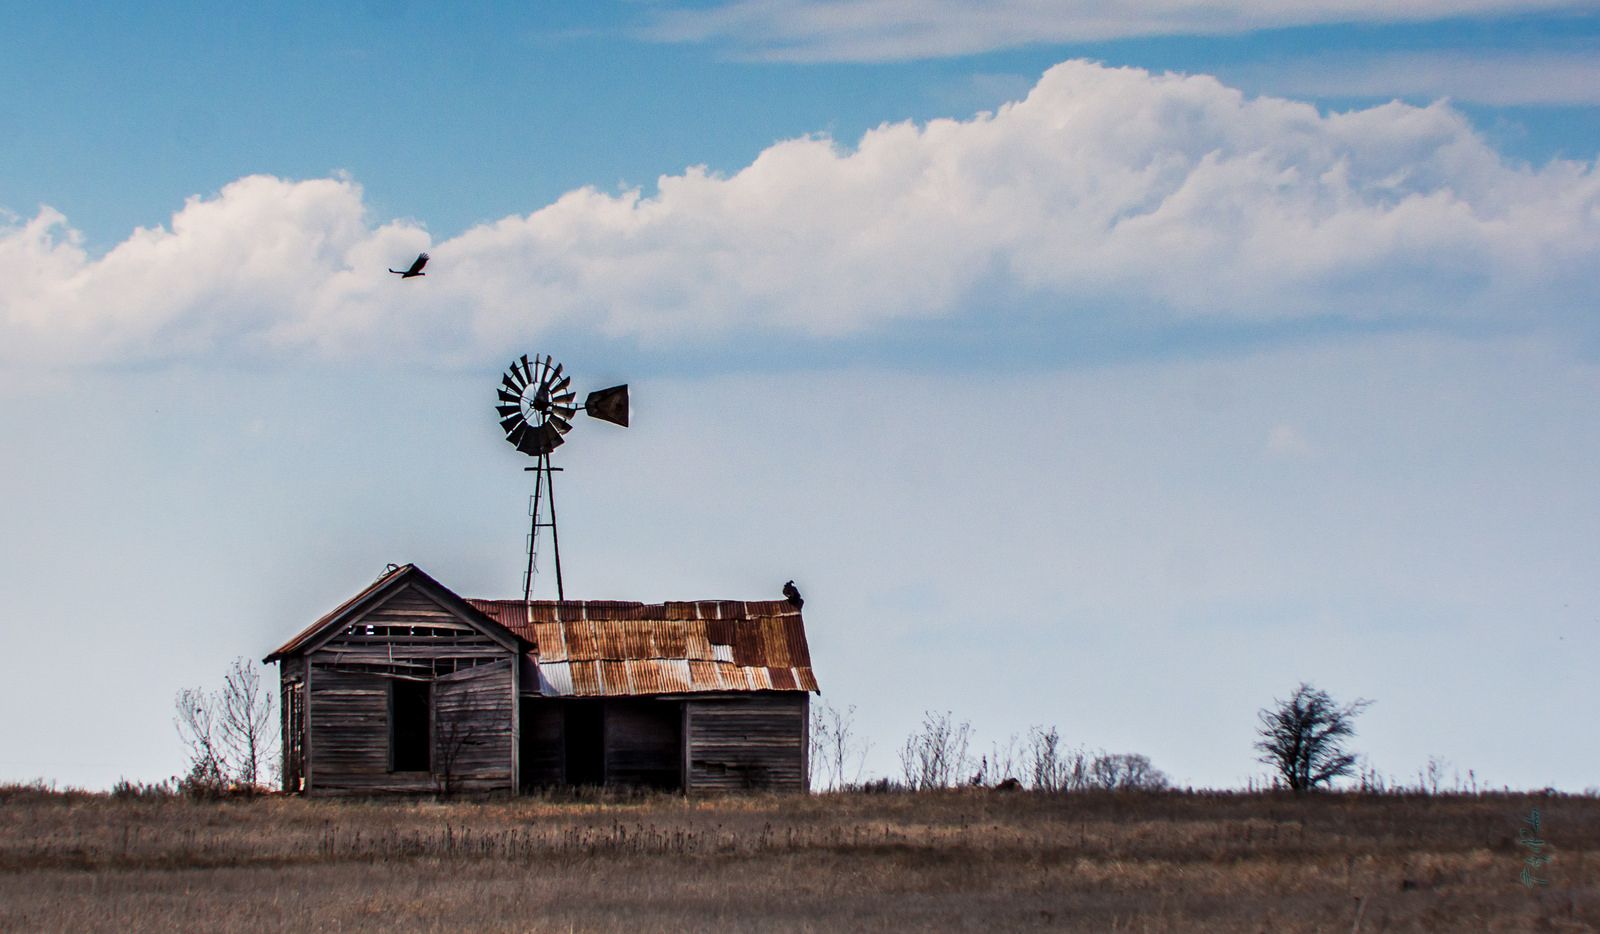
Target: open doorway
584	731
409	726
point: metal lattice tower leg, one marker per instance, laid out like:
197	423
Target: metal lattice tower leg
544	488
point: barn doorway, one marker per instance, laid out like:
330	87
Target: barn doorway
583	729
409	726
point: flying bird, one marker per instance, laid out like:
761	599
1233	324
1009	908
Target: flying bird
792	594
416	267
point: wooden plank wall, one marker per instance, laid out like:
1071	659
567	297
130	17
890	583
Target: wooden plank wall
349	715
757	741
643	743
348	706
472	733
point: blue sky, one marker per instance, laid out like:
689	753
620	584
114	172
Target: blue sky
1118	372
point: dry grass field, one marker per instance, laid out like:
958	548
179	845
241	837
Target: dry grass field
969	859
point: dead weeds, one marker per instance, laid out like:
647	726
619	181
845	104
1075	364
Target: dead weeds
934	860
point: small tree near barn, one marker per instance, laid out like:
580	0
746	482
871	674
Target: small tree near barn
249	730
1303	737
230	735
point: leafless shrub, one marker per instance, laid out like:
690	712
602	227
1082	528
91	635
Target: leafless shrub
1125	772
936	756
878	786
837	754
1432	773
1368	779
1050	766
125	790
1003	761
1042	761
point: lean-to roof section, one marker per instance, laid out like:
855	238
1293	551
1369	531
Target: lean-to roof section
608	648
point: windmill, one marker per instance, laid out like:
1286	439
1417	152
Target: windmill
536	409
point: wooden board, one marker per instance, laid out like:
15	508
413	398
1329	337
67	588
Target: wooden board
747	742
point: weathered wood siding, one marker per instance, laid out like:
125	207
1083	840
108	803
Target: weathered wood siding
408	635
471	703
543	746
473	738
643	743
349	716
758	741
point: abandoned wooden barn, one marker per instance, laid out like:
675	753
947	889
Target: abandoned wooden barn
407	687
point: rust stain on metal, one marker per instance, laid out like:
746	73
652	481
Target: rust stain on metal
617	648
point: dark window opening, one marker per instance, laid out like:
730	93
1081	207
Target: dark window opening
408	726
584	730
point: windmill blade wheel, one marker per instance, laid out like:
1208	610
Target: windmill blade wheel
531	417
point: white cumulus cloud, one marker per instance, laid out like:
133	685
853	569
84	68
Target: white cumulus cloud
1104	189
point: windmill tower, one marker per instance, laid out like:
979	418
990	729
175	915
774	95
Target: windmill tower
536	409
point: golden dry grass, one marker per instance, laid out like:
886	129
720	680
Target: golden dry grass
962	859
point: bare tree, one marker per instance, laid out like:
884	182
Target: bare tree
936	755
227	734
1303	737
837	754
245	724
195	717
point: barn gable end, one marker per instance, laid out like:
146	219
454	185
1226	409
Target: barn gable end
403	688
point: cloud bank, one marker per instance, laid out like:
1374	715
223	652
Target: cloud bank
1495	78
1105	191
887	30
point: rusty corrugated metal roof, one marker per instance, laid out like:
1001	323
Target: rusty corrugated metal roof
605	648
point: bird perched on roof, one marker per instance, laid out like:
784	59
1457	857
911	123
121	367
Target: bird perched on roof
792	594
416	267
